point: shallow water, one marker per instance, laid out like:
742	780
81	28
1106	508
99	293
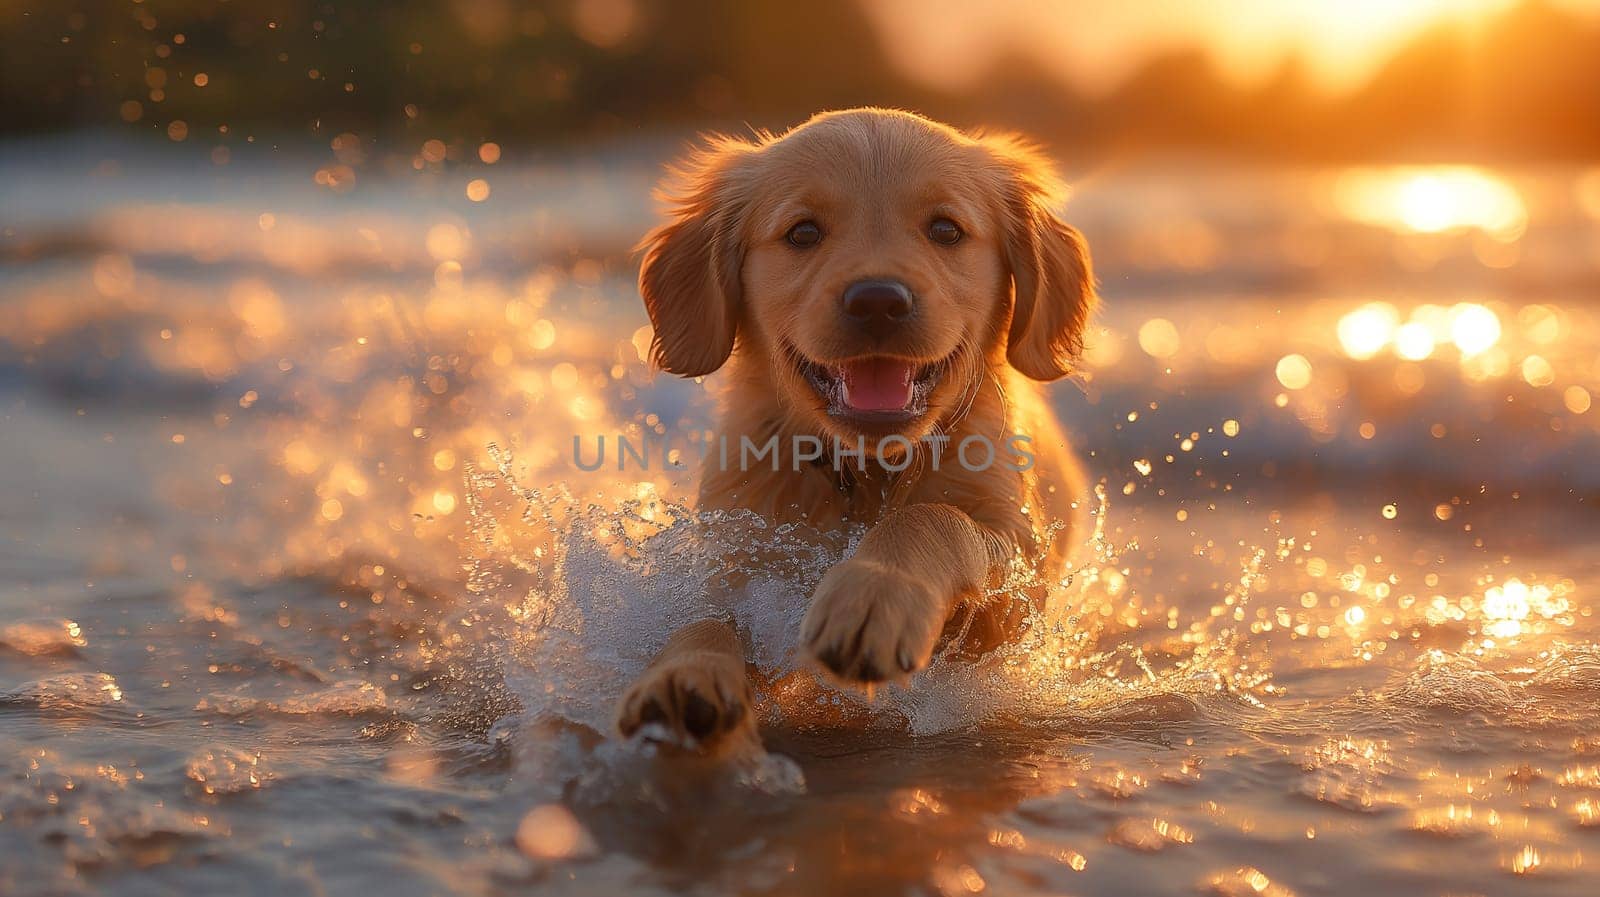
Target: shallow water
300	589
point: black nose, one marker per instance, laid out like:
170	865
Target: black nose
878	302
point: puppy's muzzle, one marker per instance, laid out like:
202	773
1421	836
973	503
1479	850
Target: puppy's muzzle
878	306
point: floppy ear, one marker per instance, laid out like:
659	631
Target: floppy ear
1052	281
690	278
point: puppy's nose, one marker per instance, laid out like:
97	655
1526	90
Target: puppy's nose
878	303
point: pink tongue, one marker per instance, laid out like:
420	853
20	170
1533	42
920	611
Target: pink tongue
877	384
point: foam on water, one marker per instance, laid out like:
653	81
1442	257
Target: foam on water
345	697
37	637
221	769
66	691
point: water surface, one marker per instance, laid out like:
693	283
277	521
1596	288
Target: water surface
300	590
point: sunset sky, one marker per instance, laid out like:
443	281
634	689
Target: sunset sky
952	43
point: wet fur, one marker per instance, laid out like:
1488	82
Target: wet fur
1002	310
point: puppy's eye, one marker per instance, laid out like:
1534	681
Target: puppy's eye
944	231
806	233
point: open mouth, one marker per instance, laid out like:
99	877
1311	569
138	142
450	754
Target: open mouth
877	388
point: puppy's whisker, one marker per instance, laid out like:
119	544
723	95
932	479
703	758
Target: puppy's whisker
970	389
1005	404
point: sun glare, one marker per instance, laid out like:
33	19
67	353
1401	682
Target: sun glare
952	44
1364	332
1432	200
1369	329
1474	328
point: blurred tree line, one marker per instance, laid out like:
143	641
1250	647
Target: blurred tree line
1525	86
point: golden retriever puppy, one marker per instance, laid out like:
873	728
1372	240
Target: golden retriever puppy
883	290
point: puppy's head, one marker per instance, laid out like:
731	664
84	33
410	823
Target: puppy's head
876	263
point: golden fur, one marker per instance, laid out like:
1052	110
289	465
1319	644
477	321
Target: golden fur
1004	306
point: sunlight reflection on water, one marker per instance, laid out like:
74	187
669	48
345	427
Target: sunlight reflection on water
311	575
1432	200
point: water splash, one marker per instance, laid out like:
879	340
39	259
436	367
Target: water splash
579	612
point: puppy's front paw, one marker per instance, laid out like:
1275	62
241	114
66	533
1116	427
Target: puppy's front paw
701	700
869	623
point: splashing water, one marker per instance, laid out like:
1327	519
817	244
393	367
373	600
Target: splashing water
600	600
